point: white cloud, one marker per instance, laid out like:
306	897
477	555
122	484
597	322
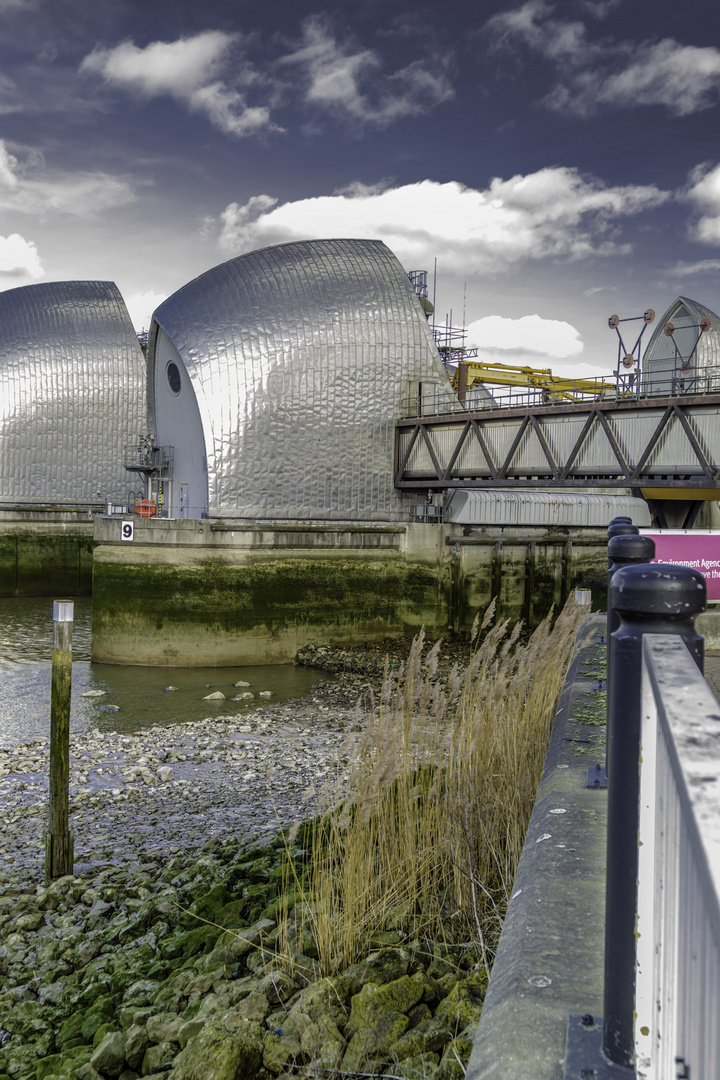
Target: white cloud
141	306
705	266
19	257
29	187
685	79
530	333
351	83
703	193
178	68
619	74
187	70
551	213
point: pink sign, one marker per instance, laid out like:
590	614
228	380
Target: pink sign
698	548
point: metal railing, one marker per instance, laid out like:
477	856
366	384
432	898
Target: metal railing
671	383
662	906
678	951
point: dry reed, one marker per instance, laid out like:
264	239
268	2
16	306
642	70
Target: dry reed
426	833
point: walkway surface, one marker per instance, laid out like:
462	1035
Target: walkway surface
712	672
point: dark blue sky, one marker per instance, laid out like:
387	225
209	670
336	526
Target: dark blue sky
560	161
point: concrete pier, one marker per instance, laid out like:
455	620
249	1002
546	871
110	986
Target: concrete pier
203	593
45	551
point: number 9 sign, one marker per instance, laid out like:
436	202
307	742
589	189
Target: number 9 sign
127	530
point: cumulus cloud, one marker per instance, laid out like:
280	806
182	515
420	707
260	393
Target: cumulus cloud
351	83
19	257
606	73
703	193
30	187
555	212
529	334
190	70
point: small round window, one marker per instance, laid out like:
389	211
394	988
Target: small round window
173	378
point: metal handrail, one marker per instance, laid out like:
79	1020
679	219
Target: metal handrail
675	383
678	955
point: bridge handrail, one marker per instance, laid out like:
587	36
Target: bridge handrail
699	381
678	955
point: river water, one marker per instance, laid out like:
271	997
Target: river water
140	694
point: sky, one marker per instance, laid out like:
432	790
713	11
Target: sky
549	164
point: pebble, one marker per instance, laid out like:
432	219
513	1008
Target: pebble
164	789
141	795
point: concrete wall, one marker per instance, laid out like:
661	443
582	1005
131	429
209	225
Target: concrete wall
45	552
203	594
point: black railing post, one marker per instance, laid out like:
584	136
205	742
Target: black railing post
621	528
649	599
625	549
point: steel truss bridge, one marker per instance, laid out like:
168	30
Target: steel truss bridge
666	448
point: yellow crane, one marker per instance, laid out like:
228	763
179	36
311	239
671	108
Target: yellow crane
470	373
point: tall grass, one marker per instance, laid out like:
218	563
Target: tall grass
425	835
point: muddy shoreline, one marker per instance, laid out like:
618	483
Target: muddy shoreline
165	790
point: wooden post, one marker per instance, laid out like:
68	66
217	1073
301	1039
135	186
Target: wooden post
58	848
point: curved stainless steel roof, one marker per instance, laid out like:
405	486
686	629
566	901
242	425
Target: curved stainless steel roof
72	392
686	315
298	356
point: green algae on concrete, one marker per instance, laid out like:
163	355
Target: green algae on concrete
34	563
217	613
198	593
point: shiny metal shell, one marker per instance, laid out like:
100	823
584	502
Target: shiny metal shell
297	357
72	392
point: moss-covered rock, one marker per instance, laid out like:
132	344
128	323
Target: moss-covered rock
381	966
370	1046
374	1002
282	1052
453	1065
463	1005
109	1057
419	1067
223	1050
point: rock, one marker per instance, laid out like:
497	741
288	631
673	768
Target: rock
326	998
31	921
190	1029
373	1002
419	1067
157	1058
240	683
322	1041
265	693
454	1059
109	1058
164	772
110	708
255	1007
382	966
141	992
282	1053
164	1027
231	945
216	696
222	1051
463	1005
136	1043
372	1045
94	693
169	689
243	697
277	986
